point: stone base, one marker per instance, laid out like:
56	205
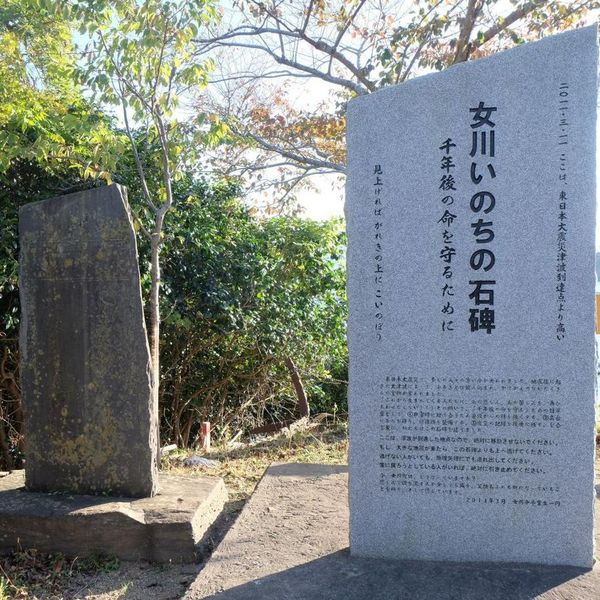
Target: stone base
164	528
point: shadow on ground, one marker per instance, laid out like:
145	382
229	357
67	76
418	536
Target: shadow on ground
339	576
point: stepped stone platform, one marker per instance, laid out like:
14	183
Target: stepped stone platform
291	541
163	528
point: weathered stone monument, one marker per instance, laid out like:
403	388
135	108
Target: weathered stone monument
471	209
91	424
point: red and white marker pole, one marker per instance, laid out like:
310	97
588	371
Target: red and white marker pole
205	435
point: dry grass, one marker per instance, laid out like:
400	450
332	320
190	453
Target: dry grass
243	466
28	574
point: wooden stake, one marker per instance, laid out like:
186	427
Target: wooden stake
205	435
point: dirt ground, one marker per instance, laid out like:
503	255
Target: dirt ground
28	576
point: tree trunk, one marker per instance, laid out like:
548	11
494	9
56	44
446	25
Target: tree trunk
175	425
4	447
300	393
187	430
463	48
155	332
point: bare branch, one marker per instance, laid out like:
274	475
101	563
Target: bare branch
308	13
142	226
251	168
347	83
294	182
403	76
297	34
160	60
298	158
333	53
120	75
248	76
349	22
280	36
503	24
415	57
343	30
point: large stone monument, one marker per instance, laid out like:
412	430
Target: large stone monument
91	425
471	209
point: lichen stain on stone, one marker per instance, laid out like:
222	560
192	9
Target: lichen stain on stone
90	450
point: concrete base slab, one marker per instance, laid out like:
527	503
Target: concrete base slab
291	541
163	528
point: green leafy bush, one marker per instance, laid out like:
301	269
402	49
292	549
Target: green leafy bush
240	295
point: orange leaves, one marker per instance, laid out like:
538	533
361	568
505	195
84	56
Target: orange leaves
316	131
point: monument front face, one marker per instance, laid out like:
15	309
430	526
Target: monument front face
471	216
90	422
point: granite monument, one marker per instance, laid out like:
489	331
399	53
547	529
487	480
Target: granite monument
470	213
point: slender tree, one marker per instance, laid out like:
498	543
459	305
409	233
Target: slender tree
140	58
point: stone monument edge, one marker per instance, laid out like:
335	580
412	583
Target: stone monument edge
354	103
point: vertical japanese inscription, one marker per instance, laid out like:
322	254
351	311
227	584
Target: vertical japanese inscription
483	146
561	232
448	251
378	246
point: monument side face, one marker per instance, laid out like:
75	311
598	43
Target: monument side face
90	423
471	220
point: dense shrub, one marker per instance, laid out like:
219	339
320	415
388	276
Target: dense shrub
240	295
